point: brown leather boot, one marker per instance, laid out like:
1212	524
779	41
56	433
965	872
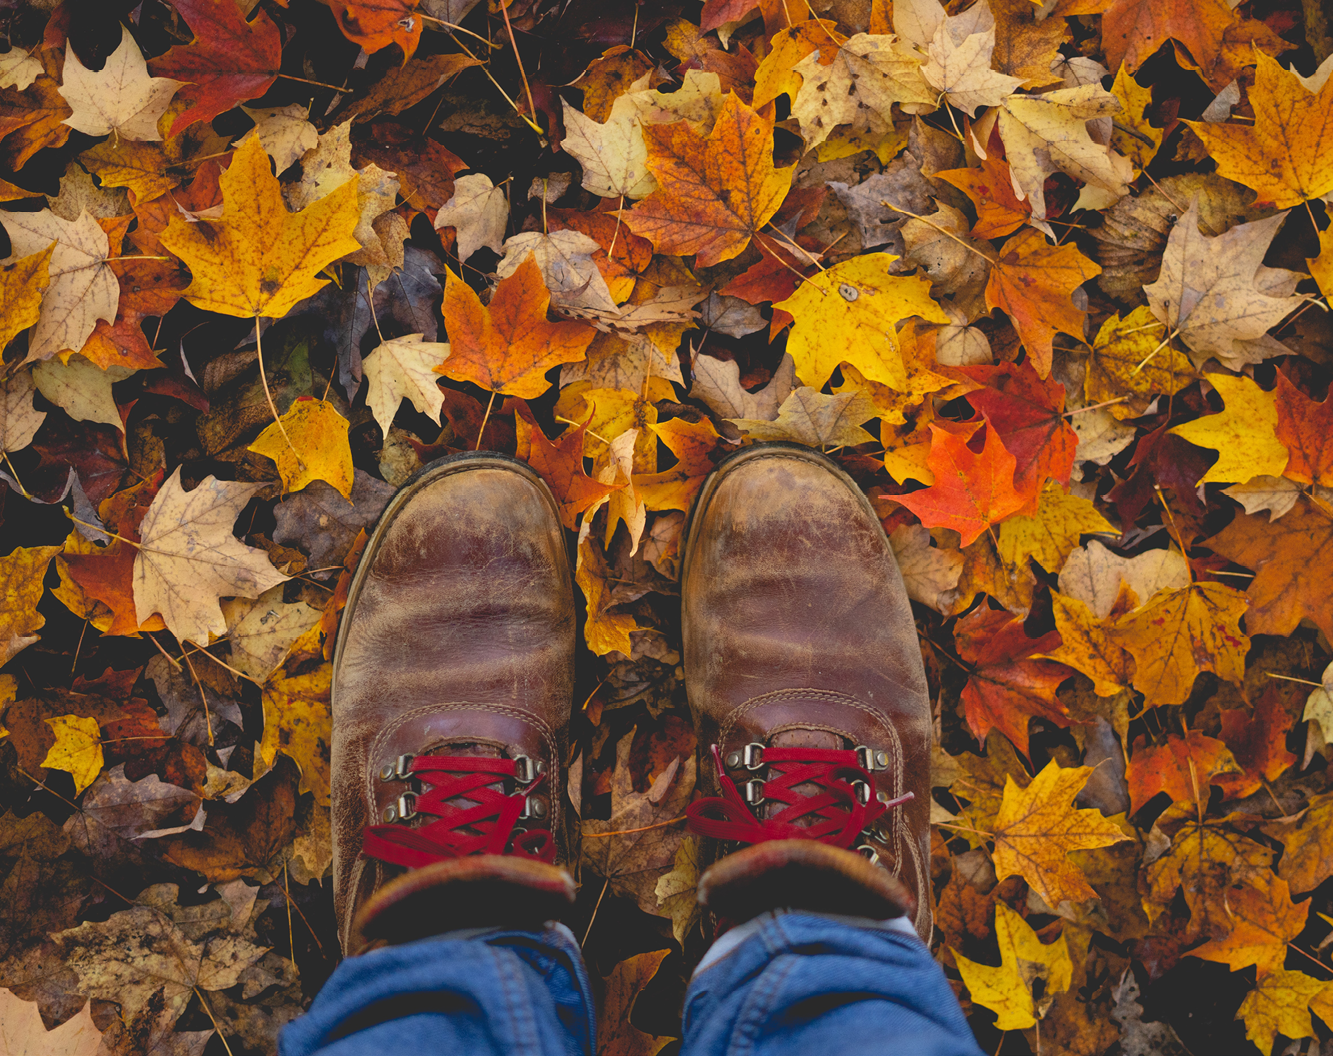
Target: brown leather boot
452	689
808	693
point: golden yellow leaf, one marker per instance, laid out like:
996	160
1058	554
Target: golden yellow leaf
78	749
309	443
1182	632
1321	267
1037	827
850	313
1128	360
1280	1003
22	283
1088	646
1008	990
1133	136
604	632
21	575
1052	533
258	259
1243	433
298	721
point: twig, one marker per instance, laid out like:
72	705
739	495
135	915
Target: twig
931	223
307	80
627	832
588	930
208	718
532	107
204	1001
449	25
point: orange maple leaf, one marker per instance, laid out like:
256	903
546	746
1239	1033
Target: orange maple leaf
991	188
1263	921
1007	687
376	24
715	193
1306	428
560	464
1033	282
972	490
1183	768
508	345
1132	30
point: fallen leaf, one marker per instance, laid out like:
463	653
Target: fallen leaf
615	1033
717	383
258	259
1129	363
262	631
603	631
19	418
958	61
508	345
478	213
1089	647
1010	990
81	389
1035	830
809	417
230	61
1051	534
119	98
991	188
1132	30
22	1032
23	280
1259	743
78	749
560	464
613	153
284	131
1305	428
1006	687
1244	433
403	368
378	24
187	557
298	722
21	575
1305	837
567	266
697	208
1280	1003
1096	576
1183	768
309	443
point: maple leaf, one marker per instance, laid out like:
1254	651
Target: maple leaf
378	24
1035	830
776	74
809	417
1097	577
307	444
1047	133
261	632
958	59
258	259
929	572
1291	561
1052	533
1007	687
858	88
19	418
1133	29
478	213
603	631
991	188
187	557
1089	647
1181	633
119	98
566	261
714	193
693	444
1305	838
1025	960
21	575
22	282
1244	433
560	464
850	313
1183	768
78	749
972	489
1284	155
508	345
1280	1003
231	60
613	153
1129	360
615	1032
284	132
1033	283
298	721
1216	293
676	891
34	119
82	288
22	1031
1258	742
403	368
1305	428
717	383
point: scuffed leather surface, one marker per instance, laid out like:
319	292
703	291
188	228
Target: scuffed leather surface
459	630
797	630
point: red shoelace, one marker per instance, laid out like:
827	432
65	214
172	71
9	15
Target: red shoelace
488	827
833	814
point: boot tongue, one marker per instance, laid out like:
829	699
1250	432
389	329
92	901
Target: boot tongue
466	748
802	738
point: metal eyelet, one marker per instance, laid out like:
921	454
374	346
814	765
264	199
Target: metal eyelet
752	755
754	792
407	806
883	797
733	760
870	853
533	807
526	769
399	770
862	791
870	759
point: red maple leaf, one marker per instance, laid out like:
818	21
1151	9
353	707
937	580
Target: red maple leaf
1306	427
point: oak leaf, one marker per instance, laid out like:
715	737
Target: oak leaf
22	282
508	345
403	368
1035	830
1293	564
1216	293
230	61
713	193
1033	282
1281	1002
22	1032
119	98
1183	768
1010	990
850	313
972	489
1007	686
858	88
187	557
1129	363
258	259
307	444
1181	633
1283	155
1243	433
21	574
82	288
810	417
1305	428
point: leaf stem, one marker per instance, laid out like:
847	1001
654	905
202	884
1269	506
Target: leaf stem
273	409
317	84
627	832
1094	407
450	25
931	223
532	107
484	418
588	931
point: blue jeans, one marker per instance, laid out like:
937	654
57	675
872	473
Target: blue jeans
783	984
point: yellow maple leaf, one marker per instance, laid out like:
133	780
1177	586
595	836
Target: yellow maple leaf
1007	990
21	576
1182	632
604	632
298	721
1130	364
1321	267
78	749
1280	1003
1132	135
1243	433
258	259
1284	155
22	283
1051	534
850	314
309	443
1088	646
1036	829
